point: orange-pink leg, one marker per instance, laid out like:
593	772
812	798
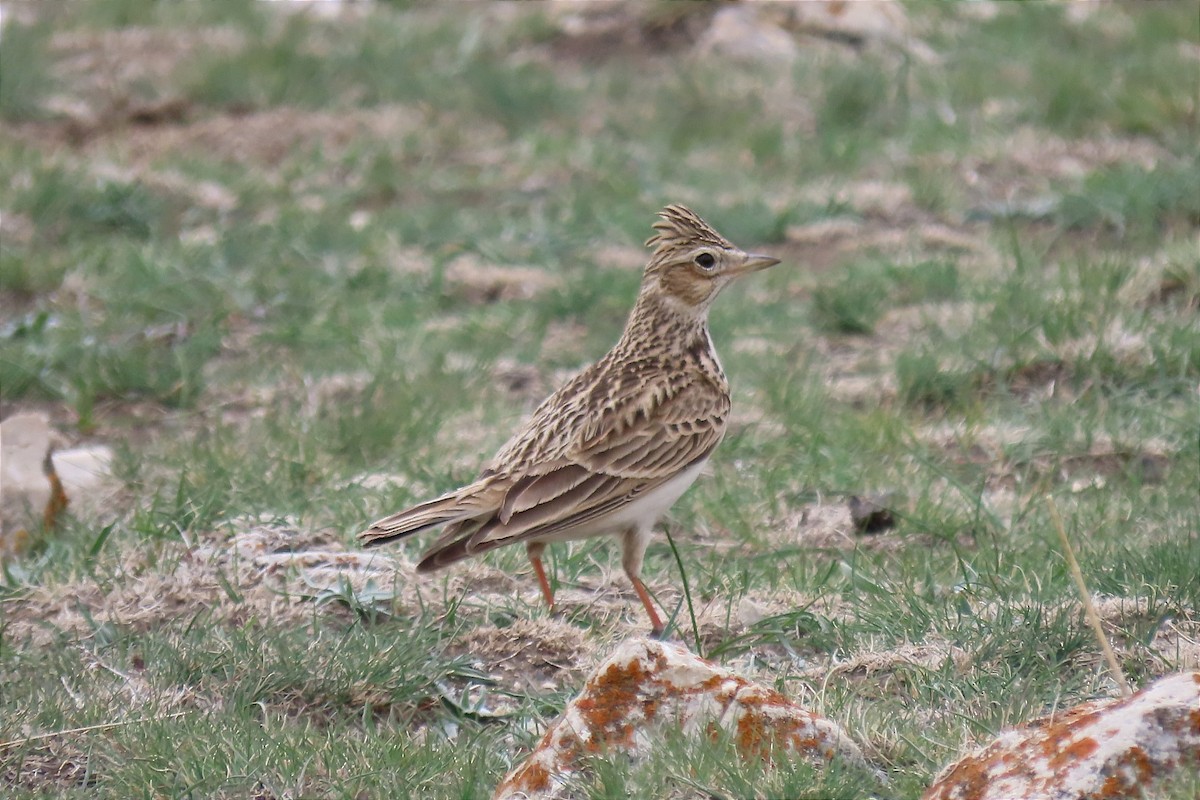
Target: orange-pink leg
633	550
656	623
534	551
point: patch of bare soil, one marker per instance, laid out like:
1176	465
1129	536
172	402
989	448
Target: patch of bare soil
884	219
272	570
564	342
1124	344
887	671
855	370
765	631
1034	151
524	383
846	523
1019	171
17	230
983	445
1161	280
102	59
1177	645
997	449
589	32
475	281
860	370
822	525
534	656
537	654
901	231
138	134
1174	647
54	765
613	255
265	138
265	569
108	89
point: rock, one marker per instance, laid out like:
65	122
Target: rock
854	21
858	23
85	469
1115	748
740	33
647	687
37	481
29	487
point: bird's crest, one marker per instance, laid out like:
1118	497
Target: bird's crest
680	227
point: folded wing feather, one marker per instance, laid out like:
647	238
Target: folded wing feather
638	444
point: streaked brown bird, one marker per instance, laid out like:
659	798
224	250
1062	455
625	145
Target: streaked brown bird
613	449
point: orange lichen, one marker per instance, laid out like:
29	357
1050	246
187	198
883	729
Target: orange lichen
1141	763
711	685
752	740
1059	727
1114	787
760	734
609	698
1072	752
531	777
806	744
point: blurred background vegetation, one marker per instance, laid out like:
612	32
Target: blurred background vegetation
265	249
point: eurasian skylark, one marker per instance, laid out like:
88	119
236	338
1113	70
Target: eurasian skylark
614	448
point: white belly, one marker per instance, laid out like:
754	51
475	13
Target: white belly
642	513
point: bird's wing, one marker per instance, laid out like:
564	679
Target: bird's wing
462	504
642	438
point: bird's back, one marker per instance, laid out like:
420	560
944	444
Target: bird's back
630	385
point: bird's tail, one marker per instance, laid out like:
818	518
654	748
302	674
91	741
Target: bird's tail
457	505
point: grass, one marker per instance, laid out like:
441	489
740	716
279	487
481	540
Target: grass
24	62
262	307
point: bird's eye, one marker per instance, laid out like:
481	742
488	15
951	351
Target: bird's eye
705	261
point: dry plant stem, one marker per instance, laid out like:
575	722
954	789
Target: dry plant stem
104	726
1089	610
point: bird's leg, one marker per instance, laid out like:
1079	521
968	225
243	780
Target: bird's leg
633	550
534	550
656	624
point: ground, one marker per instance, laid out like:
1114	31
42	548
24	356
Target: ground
302	268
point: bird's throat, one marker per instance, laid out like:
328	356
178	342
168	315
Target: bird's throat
661	323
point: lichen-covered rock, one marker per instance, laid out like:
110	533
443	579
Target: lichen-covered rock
1110	749
646	686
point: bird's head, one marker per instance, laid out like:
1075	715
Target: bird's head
691	262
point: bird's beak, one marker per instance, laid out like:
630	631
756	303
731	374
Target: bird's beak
754	263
